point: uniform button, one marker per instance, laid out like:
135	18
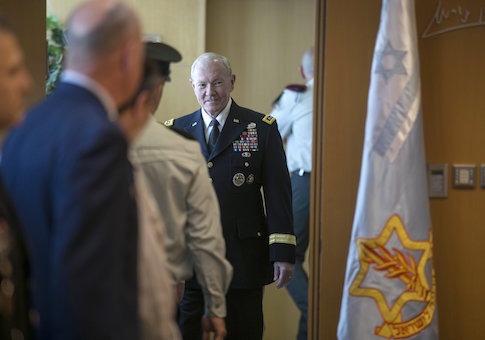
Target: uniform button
246	164
259	233
210	165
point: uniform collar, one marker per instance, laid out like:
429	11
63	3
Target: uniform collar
221	117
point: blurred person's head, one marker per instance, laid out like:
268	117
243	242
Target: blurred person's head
306	67
15	80
156	73
104	42
134	116
212	80
162	55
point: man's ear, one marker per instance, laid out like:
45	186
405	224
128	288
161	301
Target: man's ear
127	56
300	68
139	107
233	80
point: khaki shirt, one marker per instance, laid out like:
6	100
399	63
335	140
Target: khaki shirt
156	298
179	180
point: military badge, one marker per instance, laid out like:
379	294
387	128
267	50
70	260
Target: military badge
246	154
238	179
250	179
248	140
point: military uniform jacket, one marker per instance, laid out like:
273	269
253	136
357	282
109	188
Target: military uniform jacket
178	178
248	157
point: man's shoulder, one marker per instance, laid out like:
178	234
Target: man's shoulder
253	118
298	88
162	139
181	121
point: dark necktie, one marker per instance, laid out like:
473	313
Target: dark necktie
211	143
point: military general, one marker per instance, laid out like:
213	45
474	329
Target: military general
247	165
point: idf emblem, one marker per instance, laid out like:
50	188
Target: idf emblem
393	263
238	179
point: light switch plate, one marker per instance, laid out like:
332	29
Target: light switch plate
437	180
464	176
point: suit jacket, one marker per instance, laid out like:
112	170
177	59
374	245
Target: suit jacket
248	157
67	172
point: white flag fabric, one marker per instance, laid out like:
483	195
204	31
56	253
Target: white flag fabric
390	290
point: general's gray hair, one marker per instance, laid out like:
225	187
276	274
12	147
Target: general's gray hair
211	56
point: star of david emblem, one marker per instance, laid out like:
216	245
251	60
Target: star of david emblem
374	255
389	55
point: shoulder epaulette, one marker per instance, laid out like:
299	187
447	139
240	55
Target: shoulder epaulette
182	133
168	122
268	119
296	87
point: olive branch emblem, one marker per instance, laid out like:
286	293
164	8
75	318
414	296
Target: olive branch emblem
398	266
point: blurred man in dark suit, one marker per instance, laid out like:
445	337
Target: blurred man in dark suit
67	172
15	82
244	154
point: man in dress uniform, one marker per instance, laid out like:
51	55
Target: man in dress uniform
15	82
179	180
244	154
294	113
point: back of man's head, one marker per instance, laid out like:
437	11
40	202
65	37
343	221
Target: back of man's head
97	28
307	63
163	55
104	43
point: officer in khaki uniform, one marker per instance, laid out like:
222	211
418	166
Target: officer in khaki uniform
176	173
244	154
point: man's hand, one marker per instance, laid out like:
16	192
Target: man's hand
213	324
283	272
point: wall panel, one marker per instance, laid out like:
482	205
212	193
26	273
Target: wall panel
452	76
452	72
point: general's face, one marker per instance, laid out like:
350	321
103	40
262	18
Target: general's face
15	81
212	86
